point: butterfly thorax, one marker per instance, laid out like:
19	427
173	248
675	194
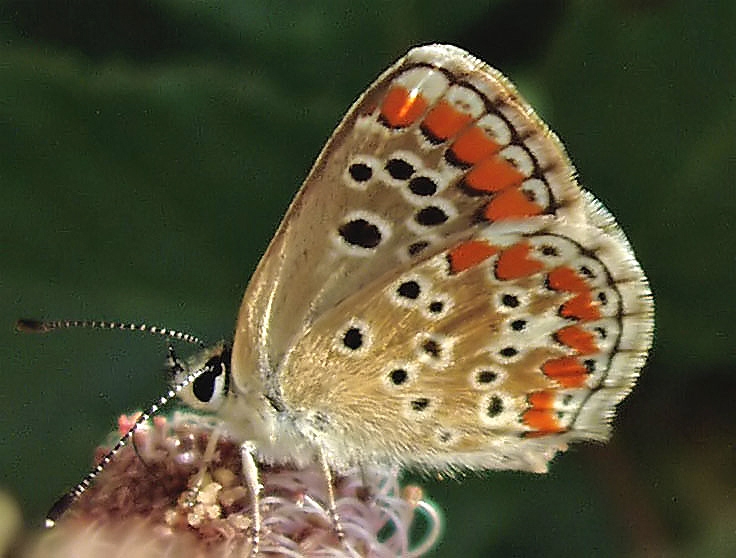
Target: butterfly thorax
245	411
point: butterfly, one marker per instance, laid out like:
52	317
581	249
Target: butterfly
441	295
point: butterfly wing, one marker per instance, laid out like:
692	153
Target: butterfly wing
377	302
440	143
494	353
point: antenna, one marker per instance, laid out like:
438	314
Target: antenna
65	502
43	326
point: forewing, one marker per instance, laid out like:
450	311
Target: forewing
438	147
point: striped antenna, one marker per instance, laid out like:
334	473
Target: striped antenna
40	326
68	499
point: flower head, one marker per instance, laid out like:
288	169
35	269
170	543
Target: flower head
179	490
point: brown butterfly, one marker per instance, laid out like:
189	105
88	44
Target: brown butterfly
441	295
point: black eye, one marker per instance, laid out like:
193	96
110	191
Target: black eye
204	386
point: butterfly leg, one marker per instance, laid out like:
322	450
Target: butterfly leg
250	472
331	504
209	453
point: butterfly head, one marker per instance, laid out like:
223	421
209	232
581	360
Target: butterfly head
208	392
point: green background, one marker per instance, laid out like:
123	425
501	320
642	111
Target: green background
149	149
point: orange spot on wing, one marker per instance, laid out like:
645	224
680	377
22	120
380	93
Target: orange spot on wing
543	421
402	107
514	262
582	307
510	204
569	372
469	254
543	399
577	338
493	174
473	146
565	278
444	121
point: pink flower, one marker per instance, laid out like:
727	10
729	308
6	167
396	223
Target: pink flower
148	502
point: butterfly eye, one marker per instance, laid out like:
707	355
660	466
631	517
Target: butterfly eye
204	386
209	389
